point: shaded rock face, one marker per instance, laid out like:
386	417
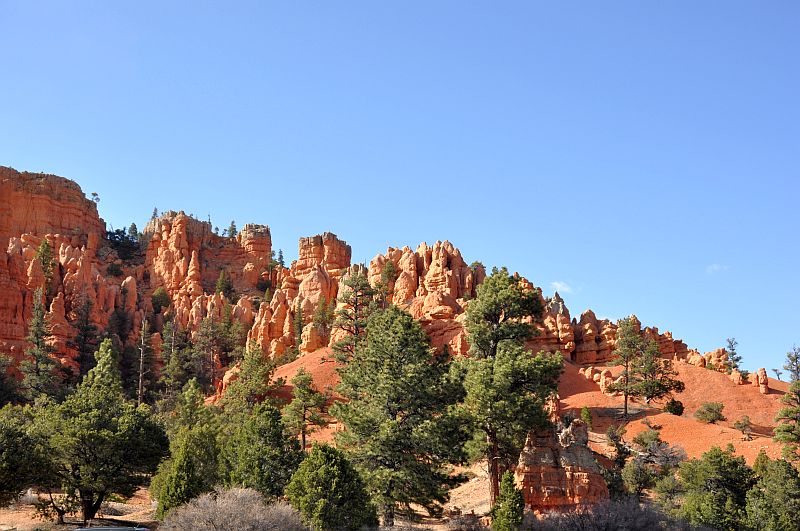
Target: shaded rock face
557	471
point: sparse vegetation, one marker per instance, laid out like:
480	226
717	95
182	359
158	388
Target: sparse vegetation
710	412
674	407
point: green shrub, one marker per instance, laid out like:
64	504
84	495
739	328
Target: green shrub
586	416
674	407
160	299
509	509
329	493
114	269
710	412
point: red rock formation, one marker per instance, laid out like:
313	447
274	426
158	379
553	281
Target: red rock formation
760	380
38	203
558	471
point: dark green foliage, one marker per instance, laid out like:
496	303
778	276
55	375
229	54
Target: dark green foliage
224	285
307	408
44	254
636	476
385	286
160	299
323	317
178	364
329	493
715	488
98	444
9	386
509	508
734	358
401	431
674	407
773	504
260	454
356	297
586	416
133	233
41	374
191	470
86	340
745	426
280	258
19	463
121	242
114	270
498	314
613	476
253	384
155	213
788	429
644	373
500	369
505	399
710	412
231	231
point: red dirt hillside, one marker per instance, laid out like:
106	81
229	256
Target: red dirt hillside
702	385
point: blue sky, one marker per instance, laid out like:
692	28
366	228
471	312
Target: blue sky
642	155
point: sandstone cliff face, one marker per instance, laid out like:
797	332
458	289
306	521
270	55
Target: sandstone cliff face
37	203
557	471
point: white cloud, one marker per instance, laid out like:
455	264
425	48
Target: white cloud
715	268
561	287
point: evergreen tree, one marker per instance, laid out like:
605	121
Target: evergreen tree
498	323
177	358
356	298
44	253
630	348
160	299
231	231
146	376
383	288
613	476
40	373
329	493
323	317
86	339
20	465
205	349
254	384
280	258
97	443
505	398
259	454
400	428
655	376
509	508
734	358
307	408
297	324
224	285
773	504
716	488
788	429
155	213
9	387
191	471
133	232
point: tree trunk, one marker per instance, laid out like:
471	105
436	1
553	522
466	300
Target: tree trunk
388	507
494	468
90	506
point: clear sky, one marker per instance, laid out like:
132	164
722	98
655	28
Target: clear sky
644	156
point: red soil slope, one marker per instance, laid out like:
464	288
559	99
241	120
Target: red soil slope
702	385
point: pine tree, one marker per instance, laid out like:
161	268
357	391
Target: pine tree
297	323
715	488
224	285
40	373
146	370
734	358
500	315
630	348
133	232
86	340
20	463
329	493
232	232
356	298
191	470
44	253
509	508
260	454
280	258
254	383
400	428
773	504
788	429
383	289
655	377
155	213
9	387
323	317
160	299
97	443
307	408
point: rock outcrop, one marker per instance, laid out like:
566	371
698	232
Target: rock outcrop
760	380
558	471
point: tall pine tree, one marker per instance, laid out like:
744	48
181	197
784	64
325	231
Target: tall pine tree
357	303
307	408
788	429
41	374
401	430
